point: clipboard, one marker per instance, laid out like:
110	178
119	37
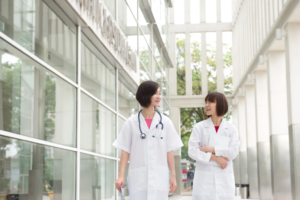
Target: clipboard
218	140
122	195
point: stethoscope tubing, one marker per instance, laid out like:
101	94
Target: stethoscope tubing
143	135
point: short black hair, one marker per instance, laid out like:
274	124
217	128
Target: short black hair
220	99
145	91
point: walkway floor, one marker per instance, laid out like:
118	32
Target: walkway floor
190	198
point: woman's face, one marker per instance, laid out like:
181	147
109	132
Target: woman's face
156	98
210	108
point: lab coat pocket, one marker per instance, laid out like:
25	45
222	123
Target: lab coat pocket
137	180
160	137
162	178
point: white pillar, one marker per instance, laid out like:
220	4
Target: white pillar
187	11
202	11
243	140
188	69
204	63
251	141
292	49
263	143
173	71
279	140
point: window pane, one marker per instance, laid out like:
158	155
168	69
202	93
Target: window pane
31	171
196	63
227	58
226	10
195	11
211	11
98	126
156	10
166	110
97	74
133	7
36	103
111	6
158	74
180	63
156	49
179	10
128	24
121	122
144	21
211	48
145	52
128	105
97	177
34	26
144	76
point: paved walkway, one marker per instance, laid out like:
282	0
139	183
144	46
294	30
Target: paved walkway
190	198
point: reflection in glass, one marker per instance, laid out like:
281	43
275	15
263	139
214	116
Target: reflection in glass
98	125
128	24
180	63
97	178
31	171
211	47
34	26
144	76
35	102
227	59
145	52
97	74
128	105
196	63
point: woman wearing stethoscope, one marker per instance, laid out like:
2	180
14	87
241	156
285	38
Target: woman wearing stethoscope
214	143
150	139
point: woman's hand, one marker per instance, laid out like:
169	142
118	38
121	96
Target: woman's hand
119	183
173	184
220	160
207	149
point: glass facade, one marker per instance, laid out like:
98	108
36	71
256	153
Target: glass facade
63	100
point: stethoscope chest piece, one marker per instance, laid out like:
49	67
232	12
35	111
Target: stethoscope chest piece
143	136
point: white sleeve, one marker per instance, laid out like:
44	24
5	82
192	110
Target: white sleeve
173	140
194	147
124	139
233	149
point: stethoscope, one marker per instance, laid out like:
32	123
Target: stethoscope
143	135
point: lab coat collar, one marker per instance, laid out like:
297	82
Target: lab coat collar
144	126
222	128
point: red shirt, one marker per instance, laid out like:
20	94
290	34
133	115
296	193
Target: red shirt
217	128
148	121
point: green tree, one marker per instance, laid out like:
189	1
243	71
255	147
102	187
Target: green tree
180	65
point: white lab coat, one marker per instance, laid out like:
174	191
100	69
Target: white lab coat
212	182
148	174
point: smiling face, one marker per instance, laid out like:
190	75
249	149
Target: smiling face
156	98
211	108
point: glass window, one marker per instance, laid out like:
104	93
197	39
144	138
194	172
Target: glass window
128	24
180	63
98	126
156	10
144	21
179	10
121	122
145	52
111	6
158	75
128	105
133	7
211	47
195	11
166	109
211	11
156	49
34	26
35	102
226	13
97	177
31	171
144	74
196	63
97	74
227	59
